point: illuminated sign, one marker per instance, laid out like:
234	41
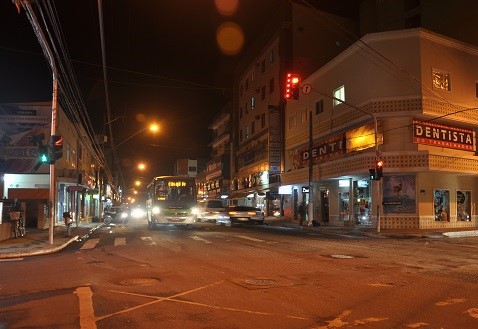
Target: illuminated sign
435	134
177	183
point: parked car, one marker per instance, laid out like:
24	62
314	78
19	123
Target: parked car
116	215
210	209
241	214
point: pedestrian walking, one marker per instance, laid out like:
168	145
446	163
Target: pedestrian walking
302	212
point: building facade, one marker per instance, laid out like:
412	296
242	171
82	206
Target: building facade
294	42
415	110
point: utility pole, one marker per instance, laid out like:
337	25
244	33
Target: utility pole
310	208
47	51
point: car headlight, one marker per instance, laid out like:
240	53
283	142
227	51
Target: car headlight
195	210
156	210
124	215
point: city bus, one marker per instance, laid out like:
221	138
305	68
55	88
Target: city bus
171	200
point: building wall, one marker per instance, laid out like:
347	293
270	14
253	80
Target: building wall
394	96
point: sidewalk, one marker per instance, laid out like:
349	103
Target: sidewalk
36	241
372	231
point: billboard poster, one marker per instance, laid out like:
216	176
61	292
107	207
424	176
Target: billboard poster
22	128
399	195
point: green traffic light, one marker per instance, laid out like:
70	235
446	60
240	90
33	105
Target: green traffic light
43	158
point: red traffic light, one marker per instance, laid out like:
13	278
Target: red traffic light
292	86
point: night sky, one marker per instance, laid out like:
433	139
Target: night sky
164	65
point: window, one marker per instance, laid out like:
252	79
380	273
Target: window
253	102
271	56
271	86
192	168
263	120
263	66
292	121
441	80
319	107
248	132
339	95
252	77
303	116
263	93
68	155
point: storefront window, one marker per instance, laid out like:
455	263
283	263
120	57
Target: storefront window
463	205
344	211
363	202
442	205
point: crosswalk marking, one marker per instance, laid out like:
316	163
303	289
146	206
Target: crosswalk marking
200	239
148	241
90	244
120	242
249	238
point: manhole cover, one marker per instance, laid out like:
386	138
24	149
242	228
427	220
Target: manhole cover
139	282
342	256
260	282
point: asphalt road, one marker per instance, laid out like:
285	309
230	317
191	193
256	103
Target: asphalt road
243	277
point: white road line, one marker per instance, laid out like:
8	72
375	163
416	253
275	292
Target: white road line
87	311
249	238
148	241
200	239
90	244
120	242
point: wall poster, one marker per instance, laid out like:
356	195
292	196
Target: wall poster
463	205
399	194
442	205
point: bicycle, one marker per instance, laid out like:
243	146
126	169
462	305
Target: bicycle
18	227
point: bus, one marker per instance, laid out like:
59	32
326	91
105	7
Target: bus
171	200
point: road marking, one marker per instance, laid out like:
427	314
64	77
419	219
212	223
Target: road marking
120	242
148	241
87	312
90	244
249	238
200	239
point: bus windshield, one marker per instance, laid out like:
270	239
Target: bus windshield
175	191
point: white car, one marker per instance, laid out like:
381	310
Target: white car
210	209
241	214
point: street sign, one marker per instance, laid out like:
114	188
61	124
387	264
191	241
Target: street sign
306	89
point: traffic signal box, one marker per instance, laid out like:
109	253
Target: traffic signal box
292	87
56	147
376	173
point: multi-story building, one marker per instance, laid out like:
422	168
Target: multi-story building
79	184
405	97
294	42
215	183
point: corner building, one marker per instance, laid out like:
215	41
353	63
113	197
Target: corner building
413	92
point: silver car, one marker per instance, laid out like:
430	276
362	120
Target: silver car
210	210
241	214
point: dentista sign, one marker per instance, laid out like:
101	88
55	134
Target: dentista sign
435	134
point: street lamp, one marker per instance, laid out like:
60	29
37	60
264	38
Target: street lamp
152	127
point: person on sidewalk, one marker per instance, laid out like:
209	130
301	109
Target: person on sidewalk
302	212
